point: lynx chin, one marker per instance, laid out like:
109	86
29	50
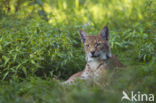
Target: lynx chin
99	57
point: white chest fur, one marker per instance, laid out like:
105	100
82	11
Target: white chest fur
93	65
94	69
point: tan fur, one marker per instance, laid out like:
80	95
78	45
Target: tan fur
98	56
75	75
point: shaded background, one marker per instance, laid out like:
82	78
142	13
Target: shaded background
39	41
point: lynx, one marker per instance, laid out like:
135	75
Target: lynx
99	57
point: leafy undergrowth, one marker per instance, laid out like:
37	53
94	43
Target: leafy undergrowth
136	78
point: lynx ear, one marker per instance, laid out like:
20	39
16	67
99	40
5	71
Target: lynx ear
83	35
105	33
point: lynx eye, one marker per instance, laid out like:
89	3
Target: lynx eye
97	44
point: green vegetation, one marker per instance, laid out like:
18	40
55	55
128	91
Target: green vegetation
40	46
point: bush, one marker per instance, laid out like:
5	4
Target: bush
37	48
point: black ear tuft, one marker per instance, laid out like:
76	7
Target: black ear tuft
83	35
105	33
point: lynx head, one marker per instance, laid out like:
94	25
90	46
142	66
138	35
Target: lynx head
96	47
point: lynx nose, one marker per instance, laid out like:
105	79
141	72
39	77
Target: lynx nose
92	52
